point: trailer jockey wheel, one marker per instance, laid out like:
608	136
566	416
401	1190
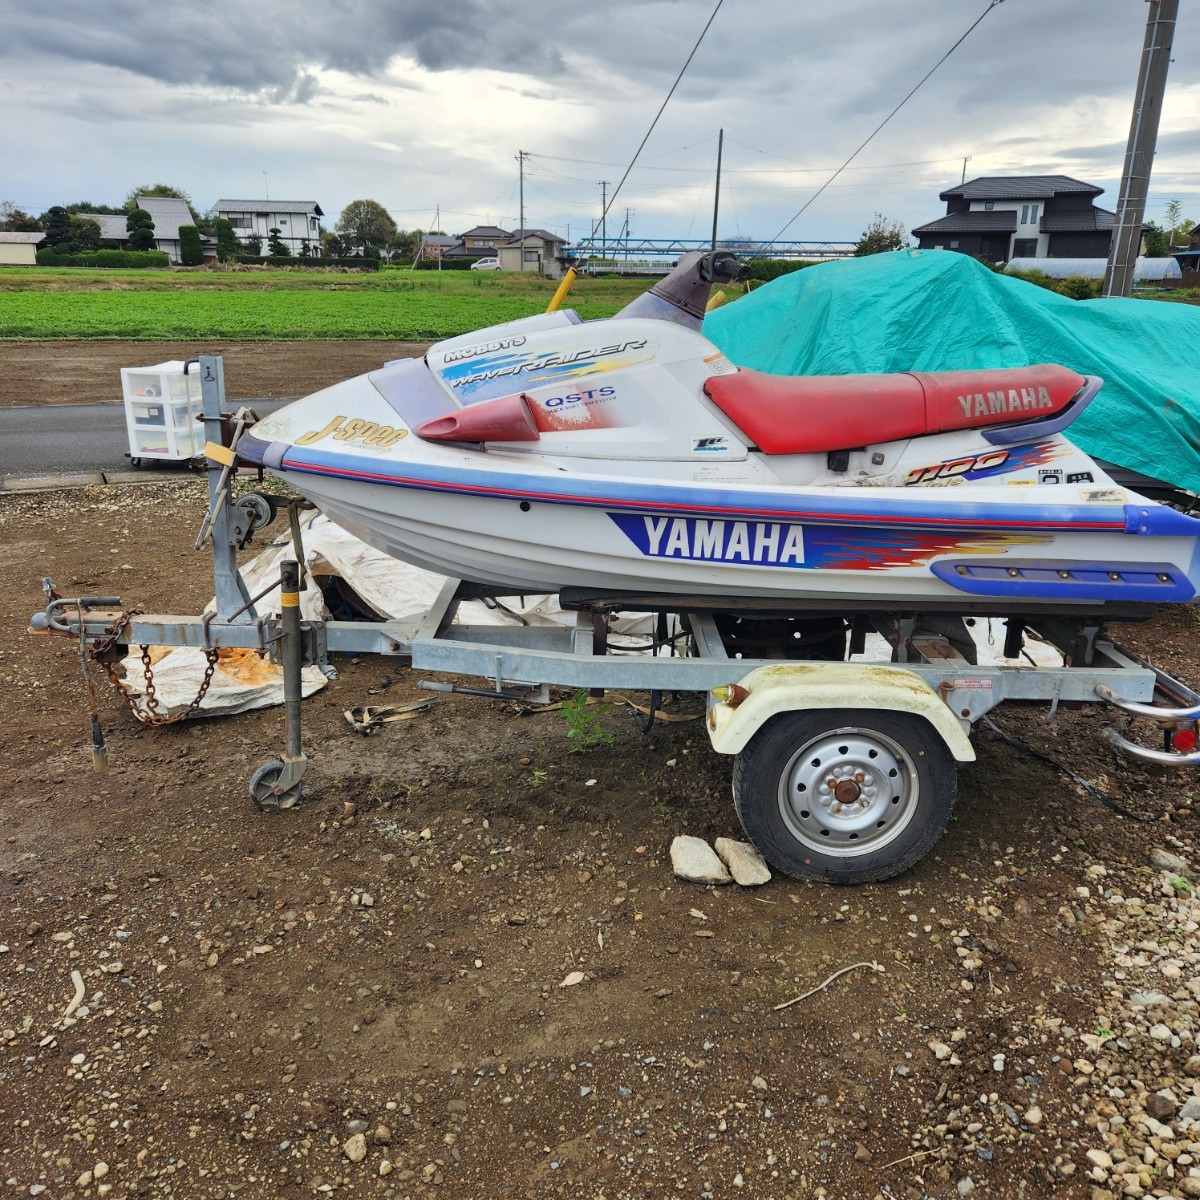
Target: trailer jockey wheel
844	795
266	790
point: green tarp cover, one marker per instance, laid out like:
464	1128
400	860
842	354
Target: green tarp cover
934	310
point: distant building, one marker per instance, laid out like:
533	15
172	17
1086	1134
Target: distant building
167	213
483	240
1001	217
436	245
298	221
533	250
19	249
1188	258
1160	272
113	234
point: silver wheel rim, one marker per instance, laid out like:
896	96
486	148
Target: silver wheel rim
848	792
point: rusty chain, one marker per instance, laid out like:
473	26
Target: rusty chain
149	713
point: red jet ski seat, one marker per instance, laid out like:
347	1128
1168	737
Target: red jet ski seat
785	414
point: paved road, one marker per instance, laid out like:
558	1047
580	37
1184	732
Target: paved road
61	438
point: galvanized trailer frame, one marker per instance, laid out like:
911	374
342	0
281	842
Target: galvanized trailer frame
526	661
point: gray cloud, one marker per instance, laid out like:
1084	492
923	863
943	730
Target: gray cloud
225	92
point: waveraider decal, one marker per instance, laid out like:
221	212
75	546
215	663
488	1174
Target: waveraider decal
501	374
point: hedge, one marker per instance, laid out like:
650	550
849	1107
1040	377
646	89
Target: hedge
448	264
767	269
105	258
291	260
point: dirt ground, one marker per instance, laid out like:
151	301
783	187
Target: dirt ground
364	997
73	372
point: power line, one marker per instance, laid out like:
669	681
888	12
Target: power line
991	4
658	114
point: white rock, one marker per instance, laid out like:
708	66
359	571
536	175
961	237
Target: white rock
100	1170
1101	1159
572	979
1164	860
1033	1115
385	1167
355	1148
940	1050
745	864
695	860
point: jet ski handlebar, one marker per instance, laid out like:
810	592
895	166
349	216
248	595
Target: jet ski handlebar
723	266
682	296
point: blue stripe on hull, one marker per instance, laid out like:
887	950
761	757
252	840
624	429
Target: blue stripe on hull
871	510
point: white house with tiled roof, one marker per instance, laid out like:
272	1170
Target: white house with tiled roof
298	221
167	213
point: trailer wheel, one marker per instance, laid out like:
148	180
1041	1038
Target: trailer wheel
844	795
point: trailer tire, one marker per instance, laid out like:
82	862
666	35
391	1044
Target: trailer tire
845	795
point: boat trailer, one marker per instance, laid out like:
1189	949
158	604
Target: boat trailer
846	770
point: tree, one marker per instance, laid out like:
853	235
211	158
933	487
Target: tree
305	248
404	245
85	233
140	226
332	246
1154	241
86	206
253	245
881	235
276	245
1172	215
16	220
57	223
366	223
160	189
191	251
229	245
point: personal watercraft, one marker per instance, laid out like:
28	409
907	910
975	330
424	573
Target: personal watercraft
630	455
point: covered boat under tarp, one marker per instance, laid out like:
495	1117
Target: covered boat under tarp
934	310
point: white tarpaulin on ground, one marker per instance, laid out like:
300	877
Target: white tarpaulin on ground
393	590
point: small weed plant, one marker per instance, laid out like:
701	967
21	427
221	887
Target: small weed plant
584	730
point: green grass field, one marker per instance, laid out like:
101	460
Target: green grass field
257	305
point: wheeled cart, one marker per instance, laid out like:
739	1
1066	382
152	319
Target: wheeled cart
163	410
844	771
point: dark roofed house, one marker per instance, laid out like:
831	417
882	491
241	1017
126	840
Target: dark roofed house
480	242
999	217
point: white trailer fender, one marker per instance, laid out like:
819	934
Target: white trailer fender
815	685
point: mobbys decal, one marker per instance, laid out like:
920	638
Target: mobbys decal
762	543
483	348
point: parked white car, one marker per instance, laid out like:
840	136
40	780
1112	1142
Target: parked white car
486	264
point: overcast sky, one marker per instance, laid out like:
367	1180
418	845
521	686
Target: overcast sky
425	103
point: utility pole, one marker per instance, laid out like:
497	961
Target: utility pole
604	213
717	191
266	194
966	159
1139	153
437	225
521	154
